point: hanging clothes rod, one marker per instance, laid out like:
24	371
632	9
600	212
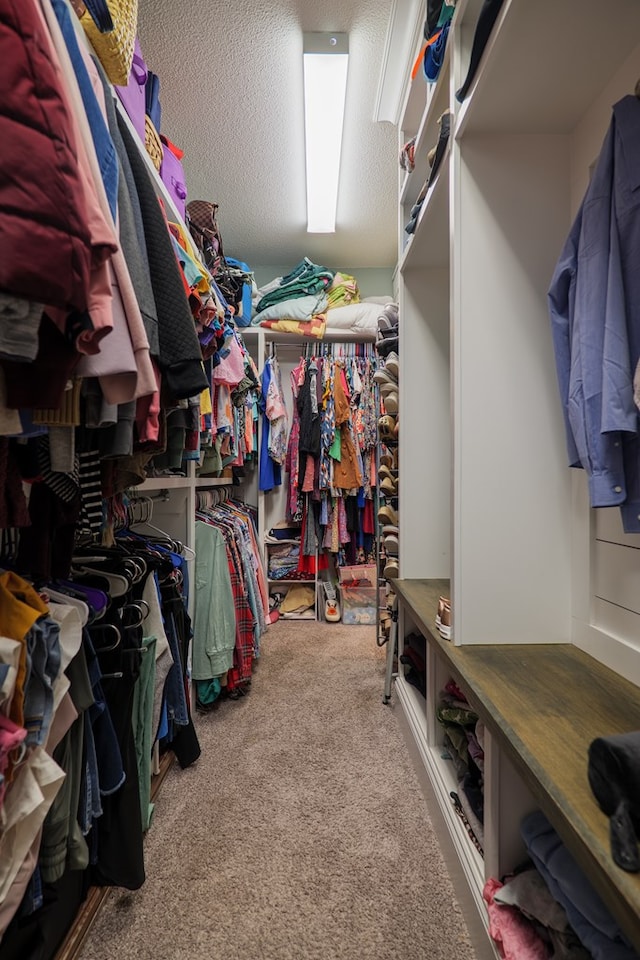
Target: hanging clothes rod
276	340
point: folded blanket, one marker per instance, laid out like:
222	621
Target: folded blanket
614	777
301	308
306	278
343	290
313	328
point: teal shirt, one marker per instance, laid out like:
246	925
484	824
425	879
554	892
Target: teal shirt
214	624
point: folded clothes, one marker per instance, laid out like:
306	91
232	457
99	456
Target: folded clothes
295	308
343	290
598	931
312	329
614	776
305	278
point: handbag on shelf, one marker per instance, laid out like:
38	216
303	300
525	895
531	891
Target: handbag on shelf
115	47
80	7
100	13
152	98
203	225
172	174
132	96
243	274
152	142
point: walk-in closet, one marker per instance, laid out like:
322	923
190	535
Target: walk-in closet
319	480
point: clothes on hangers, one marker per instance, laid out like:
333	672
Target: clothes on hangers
230	616
273	448
330	460
128	333
595	322
92	674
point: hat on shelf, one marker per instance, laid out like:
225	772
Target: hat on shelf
299	597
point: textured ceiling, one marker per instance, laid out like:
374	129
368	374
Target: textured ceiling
231	93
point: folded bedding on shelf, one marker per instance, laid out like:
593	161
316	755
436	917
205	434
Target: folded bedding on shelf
357	317
313	328
305	278
301	308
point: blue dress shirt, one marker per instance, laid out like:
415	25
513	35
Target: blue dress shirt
594	302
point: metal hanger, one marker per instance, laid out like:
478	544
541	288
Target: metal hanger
105	628
119	585
137	605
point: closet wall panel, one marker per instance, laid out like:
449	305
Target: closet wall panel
425	512
512	554
616	575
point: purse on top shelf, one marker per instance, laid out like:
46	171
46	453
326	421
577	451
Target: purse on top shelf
114	48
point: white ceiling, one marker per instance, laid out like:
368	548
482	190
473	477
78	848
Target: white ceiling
231	93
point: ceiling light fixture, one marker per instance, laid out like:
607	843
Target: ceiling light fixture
325	59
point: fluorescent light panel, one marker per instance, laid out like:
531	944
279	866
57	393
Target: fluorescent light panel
326	58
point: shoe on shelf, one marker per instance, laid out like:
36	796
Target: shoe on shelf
444	123
391	569
331	605
445	627
391	403
388	529
385	345
389	487
384	376
386	427
389	457
388	388
392	365
386	471
391	544
441	604
387	514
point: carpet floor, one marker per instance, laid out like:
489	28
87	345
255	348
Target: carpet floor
300	834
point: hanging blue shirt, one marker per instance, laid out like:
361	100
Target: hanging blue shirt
594	302
270	471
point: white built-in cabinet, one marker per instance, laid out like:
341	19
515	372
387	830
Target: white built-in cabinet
490	511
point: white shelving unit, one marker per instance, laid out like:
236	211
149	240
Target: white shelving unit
490	509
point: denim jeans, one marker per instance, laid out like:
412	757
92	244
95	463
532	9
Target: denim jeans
43	667
175	694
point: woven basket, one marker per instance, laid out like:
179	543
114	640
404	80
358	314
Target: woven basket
115	49
152	142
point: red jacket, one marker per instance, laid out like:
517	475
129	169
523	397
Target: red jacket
45	248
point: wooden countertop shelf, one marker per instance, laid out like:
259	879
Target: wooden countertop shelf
544	704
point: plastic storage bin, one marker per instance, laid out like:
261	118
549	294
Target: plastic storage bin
358	593
358	604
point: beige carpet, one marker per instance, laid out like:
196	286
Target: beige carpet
300	834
